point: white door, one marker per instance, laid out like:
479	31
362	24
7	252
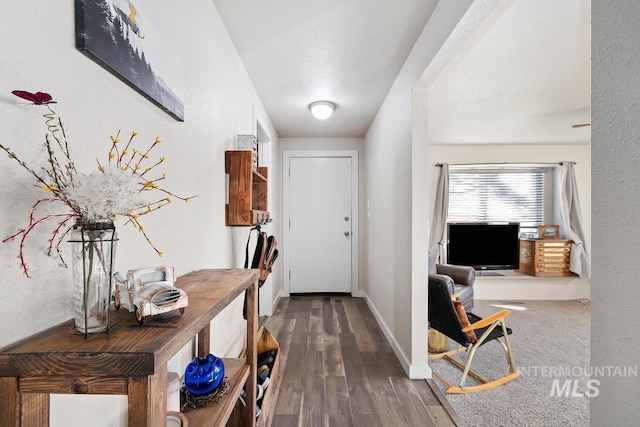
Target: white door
320	224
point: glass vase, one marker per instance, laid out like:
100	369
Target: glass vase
93	249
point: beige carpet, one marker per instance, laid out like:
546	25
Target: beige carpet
550	343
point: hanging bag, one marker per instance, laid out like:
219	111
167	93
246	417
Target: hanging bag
264	256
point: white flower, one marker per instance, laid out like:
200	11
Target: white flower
115	189
106	194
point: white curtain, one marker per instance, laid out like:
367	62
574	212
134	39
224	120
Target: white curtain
570	220
439	217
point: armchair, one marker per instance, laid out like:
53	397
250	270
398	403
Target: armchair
459	279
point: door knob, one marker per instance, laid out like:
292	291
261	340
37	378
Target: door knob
346	233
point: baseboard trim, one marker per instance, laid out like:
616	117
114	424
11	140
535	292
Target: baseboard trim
276	301
442	398
519	288
414	372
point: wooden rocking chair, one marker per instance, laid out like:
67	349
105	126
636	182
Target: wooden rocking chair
444	318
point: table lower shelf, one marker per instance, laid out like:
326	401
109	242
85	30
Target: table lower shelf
237	372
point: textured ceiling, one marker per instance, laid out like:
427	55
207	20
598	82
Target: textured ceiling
523	78
526	78
345	51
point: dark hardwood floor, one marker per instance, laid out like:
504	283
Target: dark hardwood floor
337	369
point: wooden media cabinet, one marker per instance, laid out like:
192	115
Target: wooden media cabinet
545	257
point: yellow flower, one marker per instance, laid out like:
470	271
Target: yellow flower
90	195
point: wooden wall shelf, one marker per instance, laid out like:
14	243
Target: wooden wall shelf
132	359
247	190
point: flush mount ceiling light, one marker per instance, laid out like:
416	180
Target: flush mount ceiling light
322	110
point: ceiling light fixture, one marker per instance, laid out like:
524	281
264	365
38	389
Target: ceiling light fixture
322	110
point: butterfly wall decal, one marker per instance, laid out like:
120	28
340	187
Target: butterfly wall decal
38	98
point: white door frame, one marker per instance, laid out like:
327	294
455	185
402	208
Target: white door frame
353	155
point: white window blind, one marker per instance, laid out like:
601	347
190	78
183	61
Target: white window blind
498	195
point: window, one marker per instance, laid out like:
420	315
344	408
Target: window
500	194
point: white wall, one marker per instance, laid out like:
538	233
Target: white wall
616	180
396	283
39	54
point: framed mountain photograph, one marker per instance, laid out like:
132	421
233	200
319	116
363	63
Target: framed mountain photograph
116	34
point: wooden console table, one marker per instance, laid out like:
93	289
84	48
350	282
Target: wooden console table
131	359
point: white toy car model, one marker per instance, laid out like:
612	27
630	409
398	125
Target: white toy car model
148	292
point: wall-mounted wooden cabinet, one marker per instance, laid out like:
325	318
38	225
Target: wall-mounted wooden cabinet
247	204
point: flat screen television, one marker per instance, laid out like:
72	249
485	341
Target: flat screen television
484	245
